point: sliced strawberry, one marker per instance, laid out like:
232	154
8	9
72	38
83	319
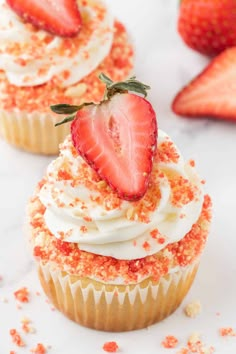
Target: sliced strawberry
118	139
213	92
60	17
208	26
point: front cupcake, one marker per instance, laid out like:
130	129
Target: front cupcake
120	220
53	52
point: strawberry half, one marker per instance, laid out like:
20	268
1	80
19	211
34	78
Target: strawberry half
213	92
59	17
208	26
117	137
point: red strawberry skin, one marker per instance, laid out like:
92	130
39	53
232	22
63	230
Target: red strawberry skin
59	17
118	139
208	26
213	92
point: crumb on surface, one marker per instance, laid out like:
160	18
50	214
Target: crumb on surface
227	332
22	294
39	349
195	345
193	309
110	347
170	342
27	328
16	338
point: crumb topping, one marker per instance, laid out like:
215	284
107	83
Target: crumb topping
183	191
33	49
67	256
167	152
91	88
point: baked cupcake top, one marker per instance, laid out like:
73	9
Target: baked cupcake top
119	194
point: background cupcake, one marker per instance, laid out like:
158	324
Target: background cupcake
118	249
39	68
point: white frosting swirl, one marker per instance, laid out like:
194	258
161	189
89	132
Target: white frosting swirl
32	57
73	208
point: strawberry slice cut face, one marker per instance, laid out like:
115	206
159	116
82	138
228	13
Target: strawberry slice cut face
212	93
59	17
118	140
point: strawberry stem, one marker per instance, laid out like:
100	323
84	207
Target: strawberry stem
64	108
130	85
112	88
66	120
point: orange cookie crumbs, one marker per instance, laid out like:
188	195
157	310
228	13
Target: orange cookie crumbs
170	342
227	332
16	338
12	352
167	152
146	246
68	257
27	328
183	192
110	347
183	351
39	349
35	98
195	345
22	295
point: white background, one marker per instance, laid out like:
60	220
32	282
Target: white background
166	64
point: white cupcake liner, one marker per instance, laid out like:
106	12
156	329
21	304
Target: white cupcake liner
34	132
116	307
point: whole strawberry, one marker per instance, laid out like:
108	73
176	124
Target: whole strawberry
116	137
208	26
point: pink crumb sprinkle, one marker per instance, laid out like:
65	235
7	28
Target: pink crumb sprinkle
227	332
110	347
16	338
39	349
170	342
22	294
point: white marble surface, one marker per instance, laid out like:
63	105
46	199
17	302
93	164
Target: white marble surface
165	63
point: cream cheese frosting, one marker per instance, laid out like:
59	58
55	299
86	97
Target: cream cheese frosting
32	57
82	209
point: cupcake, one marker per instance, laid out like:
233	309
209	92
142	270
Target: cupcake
120	220
44	61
